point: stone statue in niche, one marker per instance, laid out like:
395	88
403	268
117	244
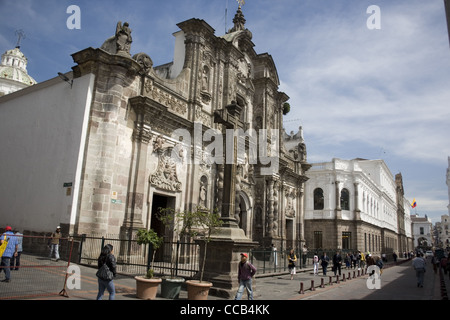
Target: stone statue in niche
202	201
205	79
203	196
205	94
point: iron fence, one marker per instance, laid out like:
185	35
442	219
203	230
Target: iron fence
268	261
180	258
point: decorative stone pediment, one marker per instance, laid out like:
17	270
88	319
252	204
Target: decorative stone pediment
166	176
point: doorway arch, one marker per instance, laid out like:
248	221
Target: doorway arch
245	213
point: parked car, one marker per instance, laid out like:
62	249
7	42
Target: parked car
429	253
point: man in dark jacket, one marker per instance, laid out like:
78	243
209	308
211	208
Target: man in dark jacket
337	262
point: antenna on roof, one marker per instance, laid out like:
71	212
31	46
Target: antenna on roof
20	35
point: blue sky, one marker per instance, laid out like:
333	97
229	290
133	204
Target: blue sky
374	94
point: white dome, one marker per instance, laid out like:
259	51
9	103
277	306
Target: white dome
13	72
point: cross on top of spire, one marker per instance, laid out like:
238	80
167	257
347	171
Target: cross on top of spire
20	35
241	3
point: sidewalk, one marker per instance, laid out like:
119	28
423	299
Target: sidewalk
274	287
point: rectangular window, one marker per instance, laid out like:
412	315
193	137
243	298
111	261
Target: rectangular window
318	239
421	230
365	242
346	240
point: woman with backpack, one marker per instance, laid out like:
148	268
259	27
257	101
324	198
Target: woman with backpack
106	272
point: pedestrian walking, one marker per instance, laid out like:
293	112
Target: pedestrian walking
9	240
292	258
304	255
435	262
444	264
106	273
362	260
354	257
347	260
316	264
337	262
275	257
15	260
325	260
419	264
246	272
394	256
379	264
54	242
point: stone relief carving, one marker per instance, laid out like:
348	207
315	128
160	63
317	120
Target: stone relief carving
174	104
290	203
166	176
158	143
144	61
203	117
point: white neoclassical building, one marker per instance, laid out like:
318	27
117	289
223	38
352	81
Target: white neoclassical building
356	205
422	231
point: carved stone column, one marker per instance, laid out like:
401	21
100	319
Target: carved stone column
276	186
270	216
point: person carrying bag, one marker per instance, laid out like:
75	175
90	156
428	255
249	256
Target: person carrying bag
106	273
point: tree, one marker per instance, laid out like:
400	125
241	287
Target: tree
145	236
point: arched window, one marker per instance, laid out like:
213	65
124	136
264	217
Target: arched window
345	199
318	199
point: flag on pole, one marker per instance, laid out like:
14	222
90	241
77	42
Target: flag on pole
414	203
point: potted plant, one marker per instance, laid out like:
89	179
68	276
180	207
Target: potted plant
206	224
181	223
147	286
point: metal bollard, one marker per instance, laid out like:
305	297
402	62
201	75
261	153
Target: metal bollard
312	286
331	281
349	275
354	274
343	277
321	283
337	278
301	288
359	273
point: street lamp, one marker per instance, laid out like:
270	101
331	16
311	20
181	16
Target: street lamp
66	79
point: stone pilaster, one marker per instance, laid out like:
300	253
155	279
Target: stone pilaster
115	81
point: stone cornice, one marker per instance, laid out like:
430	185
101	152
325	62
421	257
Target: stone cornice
89	59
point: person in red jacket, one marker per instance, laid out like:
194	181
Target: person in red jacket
246	272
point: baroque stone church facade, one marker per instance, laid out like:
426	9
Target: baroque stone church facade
150	129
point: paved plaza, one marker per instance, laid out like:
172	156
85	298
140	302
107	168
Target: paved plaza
397	283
